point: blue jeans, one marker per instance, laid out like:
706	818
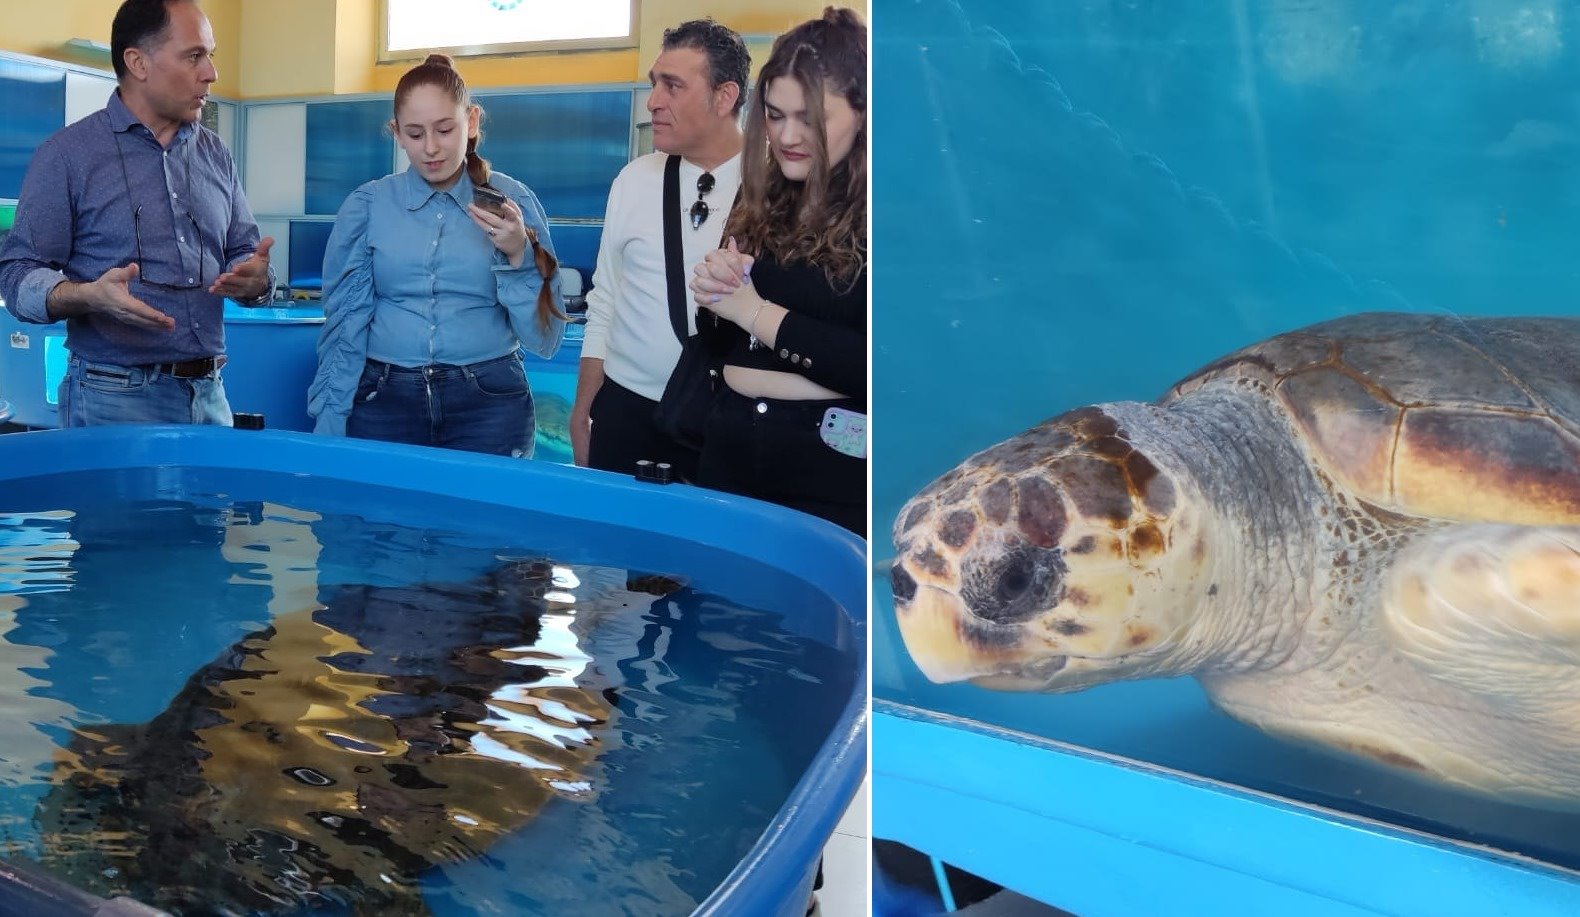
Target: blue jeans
481	407
92	394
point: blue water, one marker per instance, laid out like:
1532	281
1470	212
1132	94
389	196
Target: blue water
1084	201
221	704
553	392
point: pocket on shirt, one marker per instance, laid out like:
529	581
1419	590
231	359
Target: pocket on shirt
500	379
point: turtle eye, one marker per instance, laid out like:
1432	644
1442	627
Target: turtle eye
1015	583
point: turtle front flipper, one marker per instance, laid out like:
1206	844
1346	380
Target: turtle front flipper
1493	610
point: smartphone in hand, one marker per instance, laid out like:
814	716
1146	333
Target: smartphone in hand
489	199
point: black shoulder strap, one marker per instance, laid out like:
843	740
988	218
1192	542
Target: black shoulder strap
674	257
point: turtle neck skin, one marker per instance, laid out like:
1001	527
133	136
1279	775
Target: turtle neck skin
1230	450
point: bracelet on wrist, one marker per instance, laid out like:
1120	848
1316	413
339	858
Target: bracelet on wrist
751	328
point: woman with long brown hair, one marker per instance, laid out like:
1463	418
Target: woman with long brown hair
785	302
435	279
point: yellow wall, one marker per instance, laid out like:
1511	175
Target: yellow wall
276	48
288	48
356	44
46	27
753	19
225	18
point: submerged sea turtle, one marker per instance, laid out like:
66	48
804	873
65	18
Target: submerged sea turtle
333	756
552	422
1361	534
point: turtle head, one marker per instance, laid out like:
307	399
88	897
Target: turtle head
1061	558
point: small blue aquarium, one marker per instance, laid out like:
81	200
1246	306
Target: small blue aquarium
272	358
1085	203
269	673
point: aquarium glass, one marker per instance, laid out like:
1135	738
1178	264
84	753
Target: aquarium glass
1085	201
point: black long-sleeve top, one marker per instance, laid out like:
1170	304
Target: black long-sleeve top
824	338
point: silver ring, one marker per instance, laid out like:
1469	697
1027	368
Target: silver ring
493	232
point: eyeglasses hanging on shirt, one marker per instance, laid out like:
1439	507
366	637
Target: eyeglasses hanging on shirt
699	210
179	212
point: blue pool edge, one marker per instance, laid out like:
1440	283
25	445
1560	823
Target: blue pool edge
1096	834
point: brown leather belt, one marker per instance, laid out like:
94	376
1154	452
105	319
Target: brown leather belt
191	369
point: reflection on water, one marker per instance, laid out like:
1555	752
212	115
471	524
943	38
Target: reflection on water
372	702
35	554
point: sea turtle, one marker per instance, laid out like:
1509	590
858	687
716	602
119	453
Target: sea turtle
1363	534
333	756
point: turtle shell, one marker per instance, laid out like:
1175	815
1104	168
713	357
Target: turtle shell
1468	419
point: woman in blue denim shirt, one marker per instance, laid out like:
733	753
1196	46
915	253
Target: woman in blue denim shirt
428	297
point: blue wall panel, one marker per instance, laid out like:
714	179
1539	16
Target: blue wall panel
346	146
33	100
308	240
566	146
576	245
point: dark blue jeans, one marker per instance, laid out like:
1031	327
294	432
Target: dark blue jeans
481	407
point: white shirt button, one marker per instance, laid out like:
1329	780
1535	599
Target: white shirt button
762	407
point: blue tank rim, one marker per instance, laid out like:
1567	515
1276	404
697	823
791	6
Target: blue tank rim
772	877
275	315
1134	819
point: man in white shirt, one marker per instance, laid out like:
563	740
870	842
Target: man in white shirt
630	349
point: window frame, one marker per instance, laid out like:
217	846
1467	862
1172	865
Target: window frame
613	43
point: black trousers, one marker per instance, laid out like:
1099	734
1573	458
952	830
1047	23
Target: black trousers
772	450
623	433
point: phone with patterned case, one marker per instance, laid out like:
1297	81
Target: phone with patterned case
489	199
845	432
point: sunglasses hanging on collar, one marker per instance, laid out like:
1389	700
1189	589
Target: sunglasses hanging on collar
699	210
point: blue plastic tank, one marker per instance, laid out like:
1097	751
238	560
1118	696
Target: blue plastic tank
152	466
272	358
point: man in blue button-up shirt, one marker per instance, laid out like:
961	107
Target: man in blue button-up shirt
133	228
